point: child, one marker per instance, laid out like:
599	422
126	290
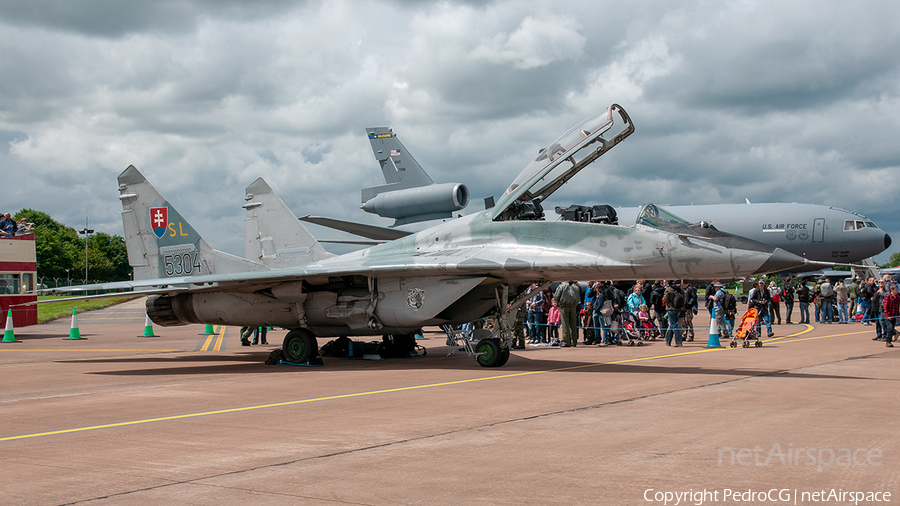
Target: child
553	321
643	314
587	322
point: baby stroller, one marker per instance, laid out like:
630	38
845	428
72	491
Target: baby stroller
628	329
747	330
649	332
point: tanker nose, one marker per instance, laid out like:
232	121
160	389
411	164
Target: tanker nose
780	260
887	241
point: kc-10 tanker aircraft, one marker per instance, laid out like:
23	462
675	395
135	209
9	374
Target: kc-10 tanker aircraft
452	273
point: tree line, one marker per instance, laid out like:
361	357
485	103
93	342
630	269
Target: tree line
60	251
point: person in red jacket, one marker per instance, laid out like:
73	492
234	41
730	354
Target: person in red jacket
891	312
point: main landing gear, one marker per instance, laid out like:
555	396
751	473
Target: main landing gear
300	346
490	353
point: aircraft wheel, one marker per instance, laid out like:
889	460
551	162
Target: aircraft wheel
504	357
759	344
489	353
299	346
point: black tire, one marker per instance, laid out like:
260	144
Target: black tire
489	352
504	357
299	346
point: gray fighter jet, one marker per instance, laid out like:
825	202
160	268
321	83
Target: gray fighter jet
453	273
817	232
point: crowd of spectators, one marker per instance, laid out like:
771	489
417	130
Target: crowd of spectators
555	318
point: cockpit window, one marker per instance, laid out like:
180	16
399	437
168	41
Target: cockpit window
652	215
858	225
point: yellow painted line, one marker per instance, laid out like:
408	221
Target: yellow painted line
375	392
148	353
134	317
135	355
208	343
823	337
86	350
219	338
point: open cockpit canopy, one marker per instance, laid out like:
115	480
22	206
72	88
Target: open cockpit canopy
566	156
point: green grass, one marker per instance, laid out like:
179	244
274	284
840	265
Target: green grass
53	310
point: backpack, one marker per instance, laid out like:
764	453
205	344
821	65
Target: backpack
657	299
729	303
678	299
788	293
826	290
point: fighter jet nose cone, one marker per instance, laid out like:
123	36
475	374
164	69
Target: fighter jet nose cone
780	260
887	241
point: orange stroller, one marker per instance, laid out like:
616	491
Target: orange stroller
747	330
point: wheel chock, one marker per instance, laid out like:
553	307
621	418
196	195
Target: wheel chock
313	362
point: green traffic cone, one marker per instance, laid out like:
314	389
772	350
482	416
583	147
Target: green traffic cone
8	334
74	333
148	327
208	330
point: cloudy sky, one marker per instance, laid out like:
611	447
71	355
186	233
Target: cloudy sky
771	101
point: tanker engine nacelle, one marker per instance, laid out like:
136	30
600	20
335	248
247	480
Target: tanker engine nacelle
439	200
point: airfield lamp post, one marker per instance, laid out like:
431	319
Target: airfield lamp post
87	235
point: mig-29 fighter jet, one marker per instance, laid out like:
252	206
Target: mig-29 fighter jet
453	273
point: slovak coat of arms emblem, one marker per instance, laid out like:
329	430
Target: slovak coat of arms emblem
159	220
415	297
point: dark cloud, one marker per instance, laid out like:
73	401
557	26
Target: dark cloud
767	100
110	18
767	57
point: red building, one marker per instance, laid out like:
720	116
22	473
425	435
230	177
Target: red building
18	272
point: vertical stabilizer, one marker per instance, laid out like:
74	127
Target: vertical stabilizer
272	233
160	242
401	170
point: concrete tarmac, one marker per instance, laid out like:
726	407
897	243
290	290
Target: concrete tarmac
189	419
